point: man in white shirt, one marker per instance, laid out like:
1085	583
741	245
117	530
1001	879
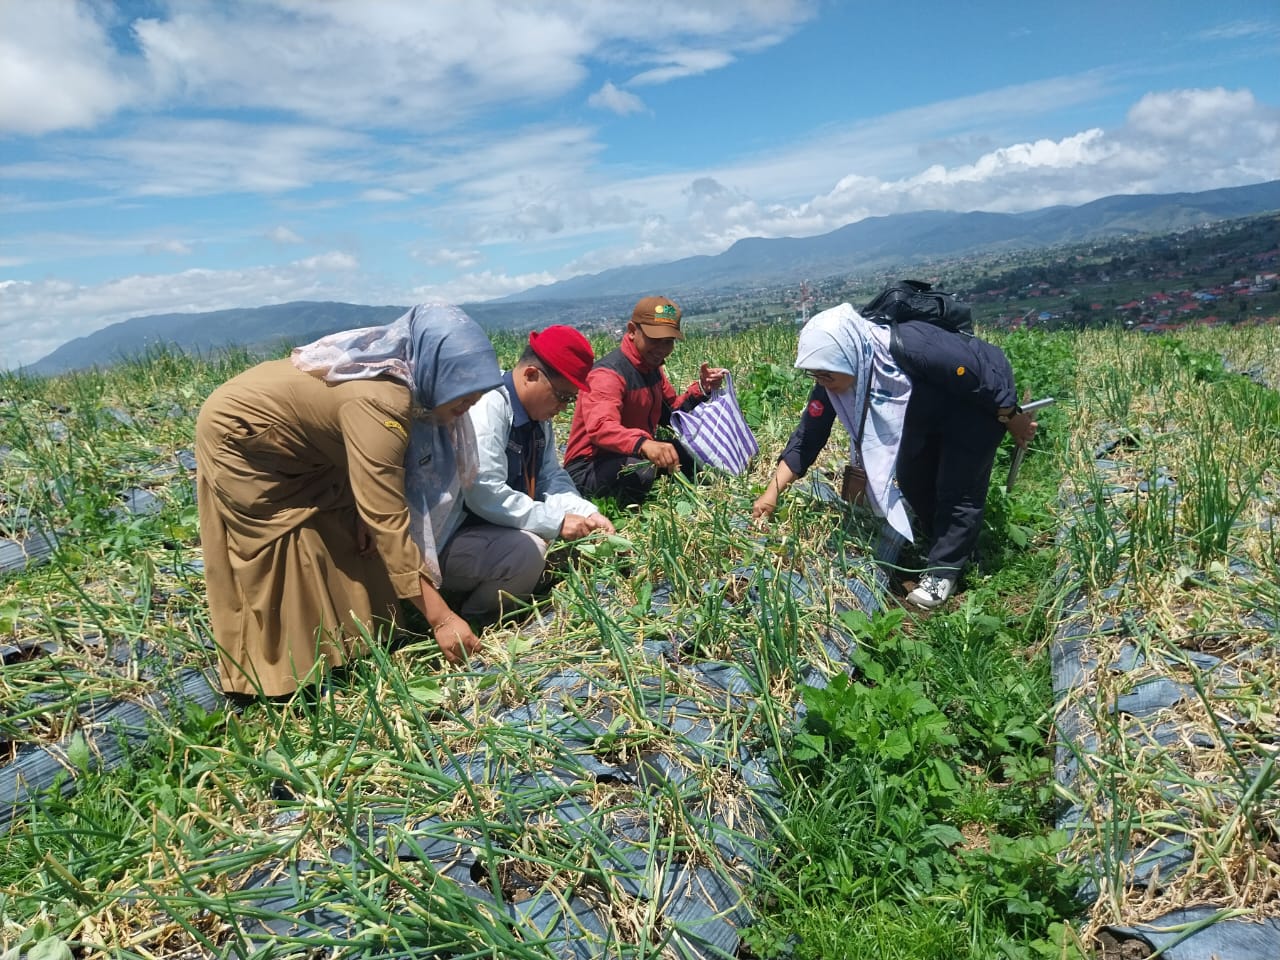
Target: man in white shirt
521	499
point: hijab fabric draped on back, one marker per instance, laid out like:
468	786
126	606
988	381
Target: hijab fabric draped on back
440	354
840	340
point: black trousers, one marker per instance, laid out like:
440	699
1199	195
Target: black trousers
944	469
626	478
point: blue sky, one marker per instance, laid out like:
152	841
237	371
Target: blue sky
186	156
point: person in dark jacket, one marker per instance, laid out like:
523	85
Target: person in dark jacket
925	415
612	449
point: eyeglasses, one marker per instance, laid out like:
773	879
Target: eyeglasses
564	399
821	376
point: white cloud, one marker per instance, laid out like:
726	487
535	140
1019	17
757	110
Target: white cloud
58	68
524	184
49	246
177	158
444	256
38	316
520	161
421	64
1242	30
283	235
474	287
683	63
1176	141
780	192
215	156
428	64
382	195
1203	119
719	213
394	63
1172	141
334	260
534	218
616	101
174	247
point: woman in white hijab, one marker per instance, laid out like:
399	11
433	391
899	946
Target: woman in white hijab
924	418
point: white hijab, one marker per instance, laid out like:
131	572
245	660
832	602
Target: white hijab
841	341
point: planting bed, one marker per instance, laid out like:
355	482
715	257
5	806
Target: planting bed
619	772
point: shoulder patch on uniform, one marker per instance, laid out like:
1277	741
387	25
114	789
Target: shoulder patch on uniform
395	427
816	409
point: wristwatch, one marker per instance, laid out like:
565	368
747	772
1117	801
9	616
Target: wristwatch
1005	414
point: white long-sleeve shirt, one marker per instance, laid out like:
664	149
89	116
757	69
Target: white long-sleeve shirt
491	497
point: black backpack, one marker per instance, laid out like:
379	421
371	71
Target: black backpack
908	300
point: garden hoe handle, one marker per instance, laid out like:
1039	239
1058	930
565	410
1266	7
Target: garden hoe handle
1020	453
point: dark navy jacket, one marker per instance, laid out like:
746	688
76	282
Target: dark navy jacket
974	372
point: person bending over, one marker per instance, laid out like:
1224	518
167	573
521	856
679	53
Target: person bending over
924	416
323	482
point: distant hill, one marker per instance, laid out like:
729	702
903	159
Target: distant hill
906	238
871	244
255	327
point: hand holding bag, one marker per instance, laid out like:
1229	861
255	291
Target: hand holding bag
716	432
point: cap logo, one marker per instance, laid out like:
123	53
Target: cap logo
664	311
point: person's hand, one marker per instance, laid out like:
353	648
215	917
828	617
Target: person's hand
709	378
1022	427
762	510
599	522
575	526
661	455
365	543
455	639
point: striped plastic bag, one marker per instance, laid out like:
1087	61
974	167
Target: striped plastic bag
716	432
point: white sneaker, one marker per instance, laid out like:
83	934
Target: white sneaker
932	591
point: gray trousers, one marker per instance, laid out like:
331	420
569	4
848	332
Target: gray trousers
482	562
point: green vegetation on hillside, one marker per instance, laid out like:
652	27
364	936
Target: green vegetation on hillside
1216	274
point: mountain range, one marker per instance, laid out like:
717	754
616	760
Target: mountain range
905	238
873	244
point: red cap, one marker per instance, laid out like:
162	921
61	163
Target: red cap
566	352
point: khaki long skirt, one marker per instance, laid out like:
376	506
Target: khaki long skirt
287	592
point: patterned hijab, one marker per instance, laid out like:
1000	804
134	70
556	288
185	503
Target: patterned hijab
839	340
440	354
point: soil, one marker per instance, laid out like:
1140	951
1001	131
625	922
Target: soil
1113	948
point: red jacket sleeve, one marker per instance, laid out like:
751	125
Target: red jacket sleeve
690	398
600	407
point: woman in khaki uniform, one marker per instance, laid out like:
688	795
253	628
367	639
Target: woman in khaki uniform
311	529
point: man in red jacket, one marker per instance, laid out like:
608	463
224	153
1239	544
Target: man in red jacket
612	449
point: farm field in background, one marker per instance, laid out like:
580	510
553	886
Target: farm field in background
979	784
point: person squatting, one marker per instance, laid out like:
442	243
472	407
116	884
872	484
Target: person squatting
400	465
